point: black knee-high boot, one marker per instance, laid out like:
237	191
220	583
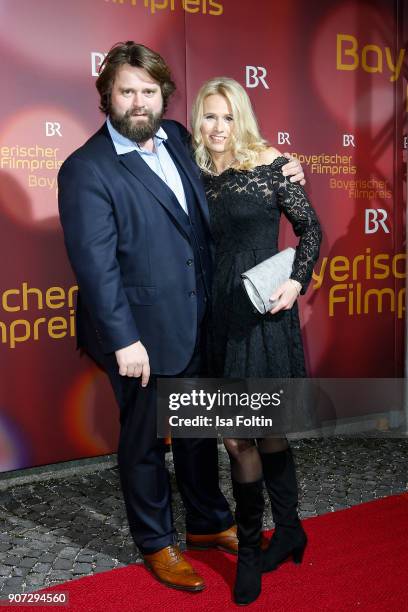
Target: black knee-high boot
289	537
248	515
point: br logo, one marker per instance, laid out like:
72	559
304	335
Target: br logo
96	62
284	138
53	128
255	76
348	140
374	219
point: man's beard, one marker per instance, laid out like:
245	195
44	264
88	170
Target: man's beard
139	131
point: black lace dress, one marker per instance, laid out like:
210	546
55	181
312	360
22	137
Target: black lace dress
245	209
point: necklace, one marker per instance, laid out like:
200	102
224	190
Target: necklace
227	167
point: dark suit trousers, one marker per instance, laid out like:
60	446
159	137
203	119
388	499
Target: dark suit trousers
144	478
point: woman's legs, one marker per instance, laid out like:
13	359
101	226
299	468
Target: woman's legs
245	461
247	487
280	479
269	460
267	446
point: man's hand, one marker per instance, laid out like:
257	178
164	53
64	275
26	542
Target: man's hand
133	361
286	295
293	169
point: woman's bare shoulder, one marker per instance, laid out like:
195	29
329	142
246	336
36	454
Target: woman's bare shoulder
267	156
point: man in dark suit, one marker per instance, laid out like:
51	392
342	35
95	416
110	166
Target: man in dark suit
136	228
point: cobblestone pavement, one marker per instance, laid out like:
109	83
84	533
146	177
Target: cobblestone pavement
68	521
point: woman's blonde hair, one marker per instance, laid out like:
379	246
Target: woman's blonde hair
247	141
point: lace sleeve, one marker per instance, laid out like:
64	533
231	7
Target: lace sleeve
294	203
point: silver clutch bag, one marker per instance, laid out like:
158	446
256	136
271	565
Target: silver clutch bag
262	280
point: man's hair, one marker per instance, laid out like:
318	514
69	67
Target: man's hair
247	141
135	55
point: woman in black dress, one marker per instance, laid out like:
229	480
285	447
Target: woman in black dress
246	193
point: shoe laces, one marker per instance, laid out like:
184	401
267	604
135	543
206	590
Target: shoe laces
175	553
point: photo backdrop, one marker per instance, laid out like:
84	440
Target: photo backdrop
329	85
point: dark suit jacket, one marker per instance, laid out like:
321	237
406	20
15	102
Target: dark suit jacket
130	248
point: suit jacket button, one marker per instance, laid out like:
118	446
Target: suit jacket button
189	262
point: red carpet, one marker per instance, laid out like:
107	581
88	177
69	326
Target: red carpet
357	559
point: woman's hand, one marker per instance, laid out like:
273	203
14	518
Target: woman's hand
286	295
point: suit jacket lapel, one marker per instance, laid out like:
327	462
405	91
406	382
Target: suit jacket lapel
176	148
135	164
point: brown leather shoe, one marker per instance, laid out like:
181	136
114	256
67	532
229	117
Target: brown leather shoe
169	567
224	540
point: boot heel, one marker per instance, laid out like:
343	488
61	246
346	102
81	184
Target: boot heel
297	554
